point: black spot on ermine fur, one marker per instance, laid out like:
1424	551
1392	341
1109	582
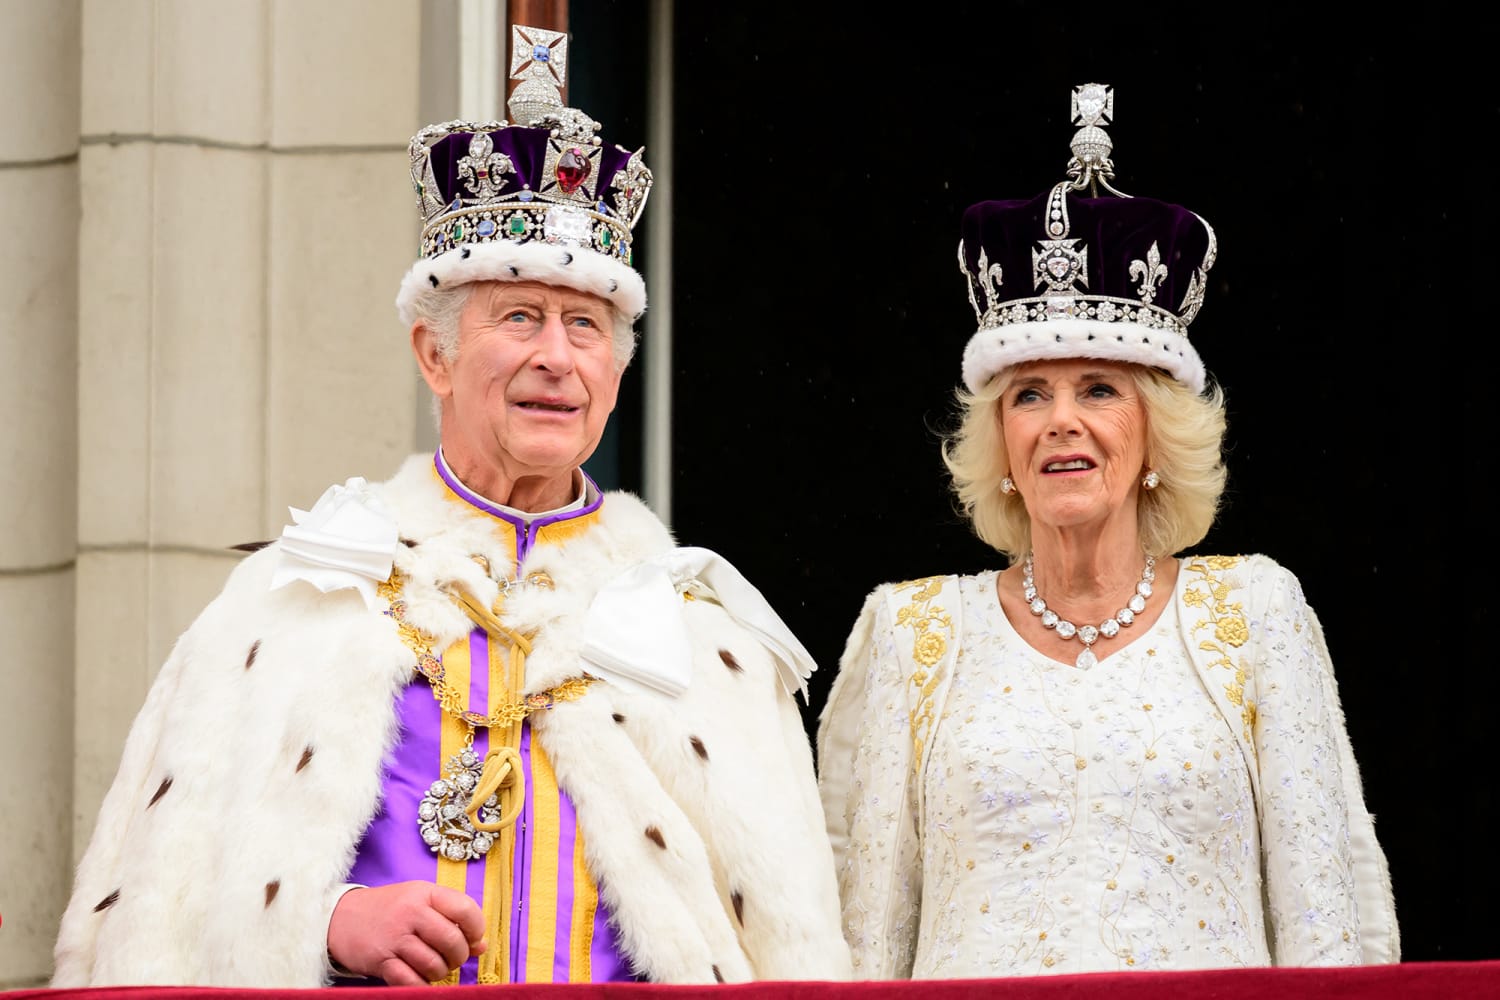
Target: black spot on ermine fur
698	746
107	901
655	835
250	657
160	791
730	661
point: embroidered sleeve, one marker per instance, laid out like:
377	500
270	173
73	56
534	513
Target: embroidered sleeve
869	793
1305	836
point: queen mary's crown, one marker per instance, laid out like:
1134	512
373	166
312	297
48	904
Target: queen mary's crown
1073	273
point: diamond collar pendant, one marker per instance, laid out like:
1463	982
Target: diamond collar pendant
441	815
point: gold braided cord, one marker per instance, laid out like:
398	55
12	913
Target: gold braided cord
454	703
503	777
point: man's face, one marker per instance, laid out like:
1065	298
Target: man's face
531	388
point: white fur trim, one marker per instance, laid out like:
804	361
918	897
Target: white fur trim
552	264
709	849
994	349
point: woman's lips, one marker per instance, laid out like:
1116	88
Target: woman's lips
1070	463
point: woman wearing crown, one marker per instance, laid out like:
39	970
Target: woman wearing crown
1107	756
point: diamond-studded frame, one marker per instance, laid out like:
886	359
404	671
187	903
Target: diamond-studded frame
522	222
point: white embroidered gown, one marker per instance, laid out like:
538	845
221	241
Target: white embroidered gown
1085	820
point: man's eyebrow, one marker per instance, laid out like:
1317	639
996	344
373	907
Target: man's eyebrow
513	300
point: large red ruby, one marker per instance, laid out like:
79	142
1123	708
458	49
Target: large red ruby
573	168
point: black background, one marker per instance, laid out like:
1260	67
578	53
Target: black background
823	157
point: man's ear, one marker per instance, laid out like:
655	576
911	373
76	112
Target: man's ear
434	367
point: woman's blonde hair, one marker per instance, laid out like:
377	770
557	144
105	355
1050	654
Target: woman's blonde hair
1184	444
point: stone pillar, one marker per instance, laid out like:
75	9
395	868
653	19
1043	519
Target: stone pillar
39	66
246	218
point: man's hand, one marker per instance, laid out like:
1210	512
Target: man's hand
408	934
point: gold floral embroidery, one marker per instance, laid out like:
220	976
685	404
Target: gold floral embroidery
932	628
1230	629
1234	631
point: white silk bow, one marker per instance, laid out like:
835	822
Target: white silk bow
635	635
346	540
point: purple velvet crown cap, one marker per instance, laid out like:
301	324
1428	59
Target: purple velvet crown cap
576	173
1064	275
527	149
1115	231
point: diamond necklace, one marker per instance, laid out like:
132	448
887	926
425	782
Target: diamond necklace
1088	634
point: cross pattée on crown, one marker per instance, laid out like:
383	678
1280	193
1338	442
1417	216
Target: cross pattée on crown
1093	107
539	59
1093	104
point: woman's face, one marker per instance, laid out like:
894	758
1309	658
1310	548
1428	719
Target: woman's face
1075	431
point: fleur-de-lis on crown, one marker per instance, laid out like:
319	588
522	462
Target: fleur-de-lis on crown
987	283
1192	301
483	170
1150	272
631	186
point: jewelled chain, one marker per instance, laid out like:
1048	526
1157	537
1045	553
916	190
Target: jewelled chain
454	703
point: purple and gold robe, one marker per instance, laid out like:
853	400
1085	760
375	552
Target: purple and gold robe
260	758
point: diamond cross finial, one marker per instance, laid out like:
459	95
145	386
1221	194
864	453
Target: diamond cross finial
539	59
538	54
1090	167
1093	104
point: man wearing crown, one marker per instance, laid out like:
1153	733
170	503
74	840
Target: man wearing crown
481	722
